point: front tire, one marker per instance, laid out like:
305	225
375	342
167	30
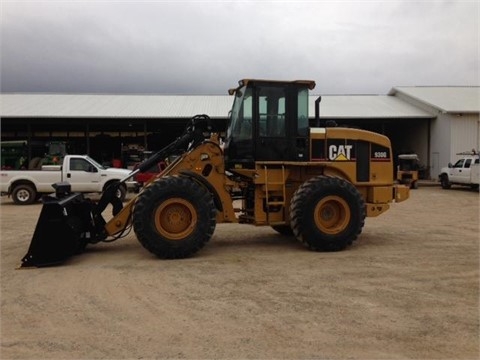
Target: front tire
444	182
327	213
174	217
121	193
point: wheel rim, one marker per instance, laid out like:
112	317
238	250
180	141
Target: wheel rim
118	193
23	195
332	214
175	218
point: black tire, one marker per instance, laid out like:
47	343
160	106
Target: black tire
121	192
174	217
283	229
24	194
327	213
444	182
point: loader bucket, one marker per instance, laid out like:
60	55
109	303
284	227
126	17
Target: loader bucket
63	230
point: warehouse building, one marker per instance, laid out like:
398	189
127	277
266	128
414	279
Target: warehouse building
434	122
455	126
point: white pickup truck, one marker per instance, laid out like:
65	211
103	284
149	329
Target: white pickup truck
82	172
465	172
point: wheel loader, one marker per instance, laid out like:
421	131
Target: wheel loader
314	182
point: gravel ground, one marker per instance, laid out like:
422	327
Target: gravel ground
407	289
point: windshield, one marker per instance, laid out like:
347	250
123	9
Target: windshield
95	163
240	126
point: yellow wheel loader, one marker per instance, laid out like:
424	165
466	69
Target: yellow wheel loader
311	181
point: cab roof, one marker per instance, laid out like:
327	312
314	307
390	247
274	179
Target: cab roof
310	84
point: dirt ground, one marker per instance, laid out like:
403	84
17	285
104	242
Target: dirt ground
407	289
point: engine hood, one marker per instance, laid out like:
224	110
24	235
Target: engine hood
120	172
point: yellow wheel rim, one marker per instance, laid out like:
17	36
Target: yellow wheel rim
175	219
332	215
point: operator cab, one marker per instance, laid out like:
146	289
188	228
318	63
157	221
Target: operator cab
268	122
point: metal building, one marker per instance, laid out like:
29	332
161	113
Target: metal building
434	122
455	126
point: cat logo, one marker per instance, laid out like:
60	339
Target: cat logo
339	152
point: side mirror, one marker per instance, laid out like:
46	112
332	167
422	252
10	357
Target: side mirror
92	169
450	165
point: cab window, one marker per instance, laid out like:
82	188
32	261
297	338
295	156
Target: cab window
241	126
79	165
302	113
271	111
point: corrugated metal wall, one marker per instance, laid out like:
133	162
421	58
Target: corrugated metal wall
465	134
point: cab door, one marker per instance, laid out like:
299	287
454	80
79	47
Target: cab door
279	134
461	171
83	175
271	133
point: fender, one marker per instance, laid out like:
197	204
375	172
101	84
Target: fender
200	179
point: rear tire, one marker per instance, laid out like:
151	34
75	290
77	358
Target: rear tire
327	213
174	217
24	194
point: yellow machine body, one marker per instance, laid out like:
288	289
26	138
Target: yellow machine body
275	182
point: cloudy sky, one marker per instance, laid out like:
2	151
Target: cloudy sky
205	47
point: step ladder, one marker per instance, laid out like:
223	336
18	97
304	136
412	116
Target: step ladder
268	184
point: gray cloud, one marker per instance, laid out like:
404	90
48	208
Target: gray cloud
204	47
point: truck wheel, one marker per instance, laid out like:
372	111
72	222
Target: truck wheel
327	213
174	217
24	194
444	182
121	193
